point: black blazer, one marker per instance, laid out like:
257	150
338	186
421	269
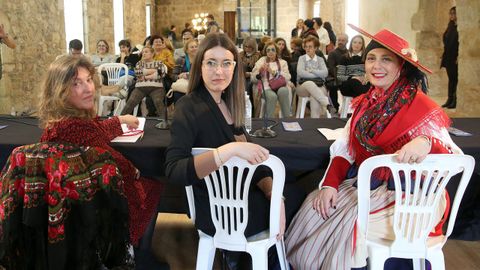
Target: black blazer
198	122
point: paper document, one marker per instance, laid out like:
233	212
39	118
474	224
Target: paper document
131	136
331	134
292	126
1	127
458	132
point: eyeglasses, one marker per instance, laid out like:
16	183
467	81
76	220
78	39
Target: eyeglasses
309	47
226	65
271	50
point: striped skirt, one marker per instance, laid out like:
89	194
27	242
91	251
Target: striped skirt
314	243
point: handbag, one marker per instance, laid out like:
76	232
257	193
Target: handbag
277	81
318	81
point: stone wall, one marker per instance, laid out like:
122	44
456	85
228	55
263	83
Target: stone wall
468	13
134	20
99	24
168	12
287	16
38	28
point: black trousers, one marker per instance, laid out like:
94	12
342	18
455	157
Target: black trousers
452	73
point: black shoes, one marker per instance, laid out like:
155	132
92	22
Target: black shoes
450	104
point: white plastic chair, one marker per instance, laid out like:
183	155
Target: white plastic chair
301	106
229	213
113	71
345	108
414	215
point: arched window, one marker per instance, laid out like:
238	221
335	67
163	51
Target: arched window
73	12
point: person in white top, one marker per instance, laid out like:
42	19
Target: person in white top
322	34
311	73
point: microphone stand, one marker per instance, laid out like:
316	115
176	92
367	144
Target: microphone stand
164	123
265	131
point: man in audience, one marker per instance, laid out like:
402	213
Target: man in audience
7	40
322	34
333	60
187	35
75	47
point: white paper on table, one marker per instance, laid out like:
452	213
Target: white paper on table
133	138
292	126
331	134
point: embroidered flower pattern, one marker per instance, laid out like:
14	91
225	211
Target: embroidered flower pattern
411	53
55	176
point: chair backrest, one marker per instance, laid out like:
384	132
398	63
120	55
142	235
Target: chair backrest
424	185
115	72
228	190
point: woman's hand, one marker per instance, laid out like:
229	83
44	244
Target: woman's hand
414	151
251	152
130	120
281	231
325	199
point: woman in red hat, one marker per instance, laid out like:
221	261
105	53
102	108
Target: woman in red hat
394	116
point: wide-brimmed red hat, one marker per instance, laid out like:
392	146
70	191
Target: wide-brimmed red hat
394	43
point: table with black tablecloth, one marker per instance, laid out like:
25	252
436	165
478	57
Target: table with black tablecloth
300	151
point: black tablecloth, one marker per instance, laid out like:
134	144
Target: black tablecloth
299	151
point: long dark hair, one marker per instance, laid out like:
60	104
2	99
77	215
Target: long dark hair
234	94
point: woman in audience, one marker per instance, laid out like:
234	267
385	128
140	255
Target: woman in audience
128	58
248	57
284	53
331	35
394	116
162	52
262	43
211	115
102	55
311	74
182	69
67	113
309	30
269	67
296	45
351	70
149	73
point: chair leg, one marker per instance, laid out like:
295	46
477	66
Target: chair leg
437	260
282	257
205	253
259	259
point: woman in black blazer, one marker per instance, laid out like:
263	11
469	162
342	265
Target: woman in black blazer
212	115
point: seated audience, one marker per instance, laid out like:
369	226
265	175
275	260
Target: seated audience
351	78
248	57
67	112
298	30
75	48
334	58
102	55
163	52
187	35
181	72
333	38
128	58
263	40
296	46
311	74
149	73
394	116
309	30
323	37
269	67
